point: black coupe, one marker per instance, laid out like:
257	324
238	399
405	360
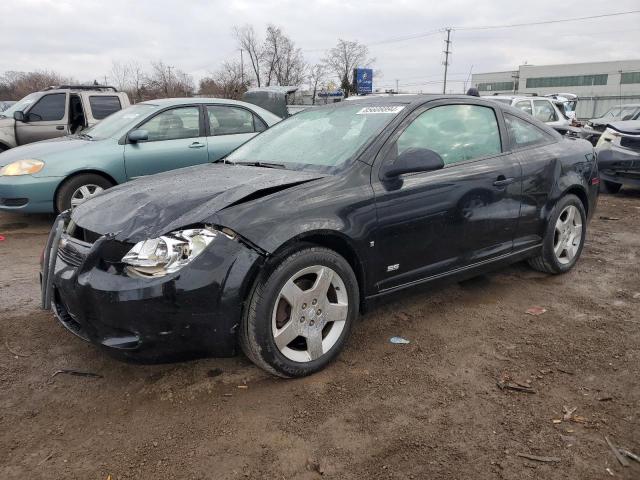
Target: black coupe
277	248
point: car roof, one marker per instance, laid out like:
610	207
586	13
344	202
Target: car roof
163	102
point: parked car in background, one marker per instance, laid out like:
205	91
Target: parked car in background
277	248
593	128
619	155
541	108
4	104
143	139
56	112
567	102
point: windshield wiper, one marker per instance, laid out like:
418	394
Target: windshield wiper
262	164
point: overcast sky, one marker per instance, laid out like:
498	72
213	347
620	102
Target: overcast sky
82	38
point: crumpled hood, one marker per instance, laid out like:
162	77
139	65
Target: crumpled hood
631	127
43	149
152	206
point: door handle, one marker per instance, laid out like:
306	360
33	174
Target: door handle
60	127
196	145
503	181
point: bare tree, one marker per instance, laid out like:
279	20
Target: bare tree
316	75
343	58
162	82
247	41
16	85
225	82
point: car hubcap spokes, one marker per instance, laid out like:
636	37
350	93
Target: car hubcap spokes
84	193
568	235
310	313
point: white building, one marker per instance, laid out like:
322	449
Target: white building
599	85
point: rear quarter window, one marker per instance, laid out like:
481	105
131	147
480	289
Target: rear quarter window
102	106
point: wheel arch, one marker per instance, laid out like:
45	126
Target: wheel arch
337	242
105	175
579	192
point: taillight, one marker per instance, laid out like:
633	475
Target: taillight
595	181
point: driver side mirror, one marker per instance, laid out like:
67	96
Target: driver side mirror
19	116
139	135
414	160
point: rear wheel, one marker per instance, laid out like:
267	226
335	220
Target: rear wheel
564	237
610	187
300	313
77	190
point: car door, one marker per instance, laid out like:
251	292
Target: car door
466	213
228	127
46	119
543	110
175	139
538	151
525	106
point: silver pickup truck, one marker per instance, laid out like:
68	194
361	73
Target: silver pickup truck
57	111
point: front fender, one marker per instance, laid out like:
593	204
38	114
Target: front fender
7	138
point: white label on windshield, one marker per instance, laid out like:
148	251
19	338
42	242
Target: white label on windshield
386	109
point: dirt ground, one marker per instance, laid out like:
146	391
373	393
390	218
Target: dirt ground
429	409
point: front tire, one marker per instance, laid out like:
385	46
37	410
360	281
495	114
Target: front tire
610	187
300	312
79	189
564	237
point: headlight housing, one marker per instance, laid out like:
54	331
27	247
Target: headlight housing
160	256
22	167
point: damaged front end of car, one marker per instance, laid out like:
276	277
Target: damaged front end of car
179	293
619	153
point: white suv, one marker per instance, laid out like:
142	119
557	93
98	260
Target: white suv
544	109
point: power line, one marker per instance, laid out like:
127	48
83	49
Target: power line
545	22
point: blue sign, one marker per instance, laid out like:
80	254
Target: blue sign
363	80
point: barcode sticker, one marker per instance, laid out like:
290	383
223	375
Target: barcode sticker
384	109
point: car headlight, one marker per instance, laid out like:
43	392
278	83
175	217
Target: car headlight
610	136
22	167
157	257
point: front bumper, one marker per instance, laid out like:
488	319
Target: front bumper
618	164
194	311
28	194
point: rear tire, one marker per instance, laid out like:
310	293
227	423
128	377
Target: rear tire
76	190
300	312
610	187
564	237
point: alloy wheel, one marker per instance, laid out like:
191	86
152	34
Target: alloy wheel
568	235
84	193
310	313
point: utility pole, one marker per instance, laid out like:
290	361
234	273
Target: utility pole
241	67
397	91
516	81
447	52
168	82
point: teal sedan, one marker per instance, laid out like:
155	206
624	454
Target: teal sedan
147	138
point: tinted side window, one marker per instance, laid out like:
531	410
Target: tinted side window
524	134
259	124
456	132
525	106
102	107
174	124
544	111
225	120
49	108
